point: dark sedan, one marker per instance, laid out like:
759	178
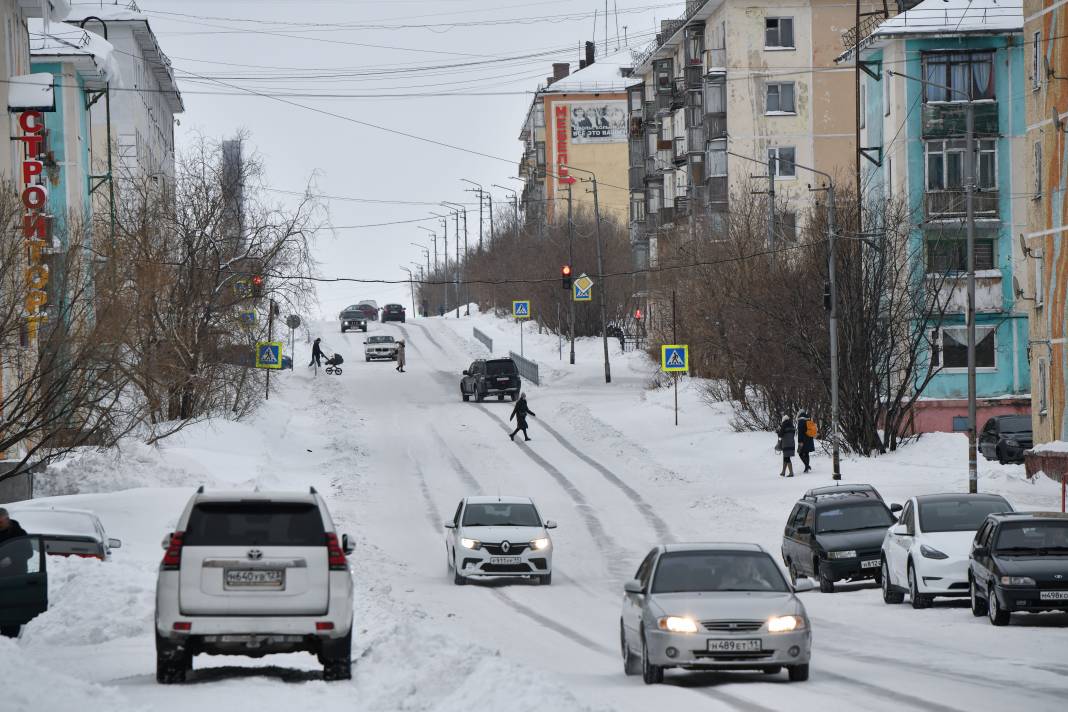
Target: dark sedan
393	312
1005	438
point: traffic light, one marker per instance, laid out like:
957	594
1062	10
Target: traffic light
565	276
257	286
638	314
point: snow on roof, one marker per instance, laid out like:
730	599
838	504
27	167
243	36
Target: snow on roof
57	9
57	522
950	17
604	75
30	91
66	41
117	11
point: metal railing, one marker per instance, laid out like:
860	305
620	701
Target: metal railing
527	369
486	341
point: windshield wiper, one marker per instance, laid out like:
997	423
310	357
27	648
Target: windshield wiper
1017	549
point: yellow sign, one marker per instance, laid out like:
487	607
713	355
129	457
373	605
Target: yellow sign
269	354
582	289
521	309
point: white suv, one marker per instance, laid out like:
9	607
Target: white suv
254	573
499	536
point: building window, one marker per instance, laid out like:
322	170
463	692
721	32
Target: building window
539	153
1042	387
1038	167
958	76
779	33
784	161
786	226
886	93
1040	287
637	207
539	118
949	255
863	105
945	164
780	98
950	347
716	97
1036	60
717	158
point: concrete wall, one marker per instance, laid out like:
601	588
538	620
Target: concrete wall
14	60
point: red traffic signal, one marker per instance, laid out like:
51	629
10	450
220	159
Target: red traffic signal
565	276
638	314
257	280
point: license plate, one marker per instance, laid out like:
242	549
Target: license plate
1053	596
505	560
734	646
873	564
254	578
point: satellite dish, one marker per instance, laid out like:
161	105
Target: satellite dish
1016	287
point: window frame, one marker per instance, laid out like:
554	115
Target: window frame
1036	154
1036	63
951	59
958	147
779	19
779	161
979	338
778	89
961	259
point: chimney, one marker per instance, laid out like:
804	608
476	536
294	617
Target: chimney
589	53
582	64
561	70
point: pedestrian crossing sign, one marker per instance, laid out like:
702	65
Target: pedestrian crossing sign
247	318
269	354
521	309
674	358
582	289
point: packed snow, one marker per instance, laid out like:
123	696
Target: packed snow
394	453
954	17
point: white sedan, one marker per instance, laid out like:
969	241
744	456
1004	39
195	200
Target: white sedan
926	553
67	532
499	536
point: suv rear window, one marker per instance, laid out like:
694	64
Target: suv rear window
504	367
255	524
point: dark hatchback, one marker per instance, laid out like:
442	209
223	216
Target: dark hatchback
393	312
1019	563
836	535
491	377
1005	438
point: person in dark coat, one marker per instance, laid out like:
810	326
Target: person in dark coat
12	564
9	528
520	413
805	443
317	354
786	434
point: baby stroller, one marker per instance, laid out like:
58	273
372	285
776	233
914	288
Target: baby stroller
333	365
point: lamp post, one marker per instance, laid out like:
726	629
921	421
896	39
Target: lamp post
467	297
477	189
411	285
515	207
425	252
434	237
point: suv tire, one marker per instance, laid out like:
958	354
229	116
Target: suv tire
891	595
515	396
337	658
479	396
917	599
342	330
545	579
458	579
979	605
172	662
465	396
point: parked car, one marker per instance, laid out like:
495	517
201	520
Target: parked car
380	347
491	377
1019	562
23	583
836	535
926	553
499	536
253	573
1005	438
369	307
393	312
353	318
67	532
713	606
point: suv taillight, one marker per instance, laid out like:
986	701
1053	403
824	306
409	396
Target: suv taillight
172	558
335	555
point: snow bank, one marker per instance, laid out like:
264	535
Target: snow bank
1057	446
28	685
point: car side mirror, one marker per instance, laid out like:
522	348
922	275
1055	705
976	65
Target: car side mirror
899	530
804	529
804	584
114	543
450	525
980	551
166	544
895	507
347	544
550	524
364	343
466	373
633	586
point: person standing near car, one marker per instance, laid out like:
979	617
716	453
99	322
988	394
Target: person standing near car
786	433
520	413
400	356
806	438
10	529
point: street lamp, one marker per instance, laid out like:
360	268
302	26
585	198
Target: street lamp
515	207
411	285
467	293
445	223
478	189
434	237
425	252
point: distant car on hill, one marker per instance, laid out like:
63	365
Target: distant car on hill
491	377
353	317
67	532
369	307
1005	438
393	312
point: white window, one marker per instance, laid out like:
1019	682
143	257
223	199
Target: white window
780	98
1040	287
945	164
1036	60
1042	386
863	105
784	161
1038	169
951	348
779	33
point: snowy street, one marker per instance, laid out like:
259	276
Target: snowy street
396	452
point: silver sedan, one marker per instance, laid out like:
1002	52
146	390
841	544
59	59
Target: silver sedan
713	607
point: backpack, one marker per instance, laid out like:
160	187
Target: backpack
811	430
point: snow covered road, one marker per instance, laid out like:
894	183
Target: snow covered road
396	452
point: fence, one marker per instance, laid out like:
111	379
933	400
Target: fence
527	369
486	341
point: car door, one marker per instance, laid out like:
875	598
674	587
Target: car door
467	382
988	439
981	558
804	541
789	535
23	581
898	545
634	603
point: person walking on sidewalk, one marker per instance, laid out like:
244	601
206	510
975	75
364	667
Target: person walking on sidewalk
400	356
806	438
520	413
317	354
786	433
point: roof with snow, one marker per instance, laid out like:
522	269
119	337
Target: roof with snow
604	75
92	54
953	17
57	9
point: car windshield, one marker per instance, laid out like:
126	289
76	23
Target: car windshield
504	367
501	514
958	515
1016	424
353	307
380	340
697	571
848	517
255	524
1037	537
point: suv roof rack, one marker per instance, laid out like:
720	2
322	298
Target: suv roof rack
842	491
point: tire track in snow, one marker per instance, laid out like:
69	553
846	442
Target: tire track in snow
915	703
457	466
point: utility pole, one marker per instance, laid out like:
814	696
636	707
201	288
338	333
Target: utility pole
570	260
270	337
478	189
515	208
600	269
489	197
969	202
771	203
411	286
461	267
832	270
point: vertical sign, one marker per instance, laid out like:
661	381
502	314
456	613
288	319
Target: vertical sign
35	221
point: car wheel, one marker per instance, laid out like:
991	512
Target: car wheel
1001	456
368	358
997	616
978	604
917	599
172	662
890	594
632	664
342	330
545	579
826	582
651	674
337	659
479	396
465	396
798	673
515	396
500	397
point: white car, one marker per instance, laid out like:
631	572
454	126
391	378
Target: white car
67	532
253	573
499	536
926	553
379	347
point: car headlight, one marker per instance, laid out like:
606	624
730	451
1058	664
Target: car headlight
471	543
847	554
1017	581
930	552
539	544
785	624
677	624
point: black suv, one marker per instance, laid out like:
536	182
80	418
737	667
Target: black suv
353	318
1005	438
836	533
491	377
393	312
1019	562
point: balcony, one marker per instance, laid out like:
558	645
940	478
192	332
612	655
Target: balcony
717	190
694	76
715	126
947	120
953	291
666	216
636	177
682	206
939	204
680	150
716	60
695	139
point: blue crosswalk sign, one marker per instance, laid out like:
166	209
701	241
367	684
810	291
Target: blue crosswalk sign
674	358
521	309
269	354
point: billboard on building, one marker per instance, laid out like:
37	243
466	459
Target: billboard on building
598	121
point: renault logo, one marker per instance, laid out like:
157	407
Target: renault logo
506	547
255	554
1058	576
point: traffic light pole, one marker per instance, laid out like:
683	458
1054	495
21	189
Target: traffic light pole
270	337
600	273
570	260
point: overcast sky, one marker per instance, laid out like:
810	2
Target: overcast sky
333	47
